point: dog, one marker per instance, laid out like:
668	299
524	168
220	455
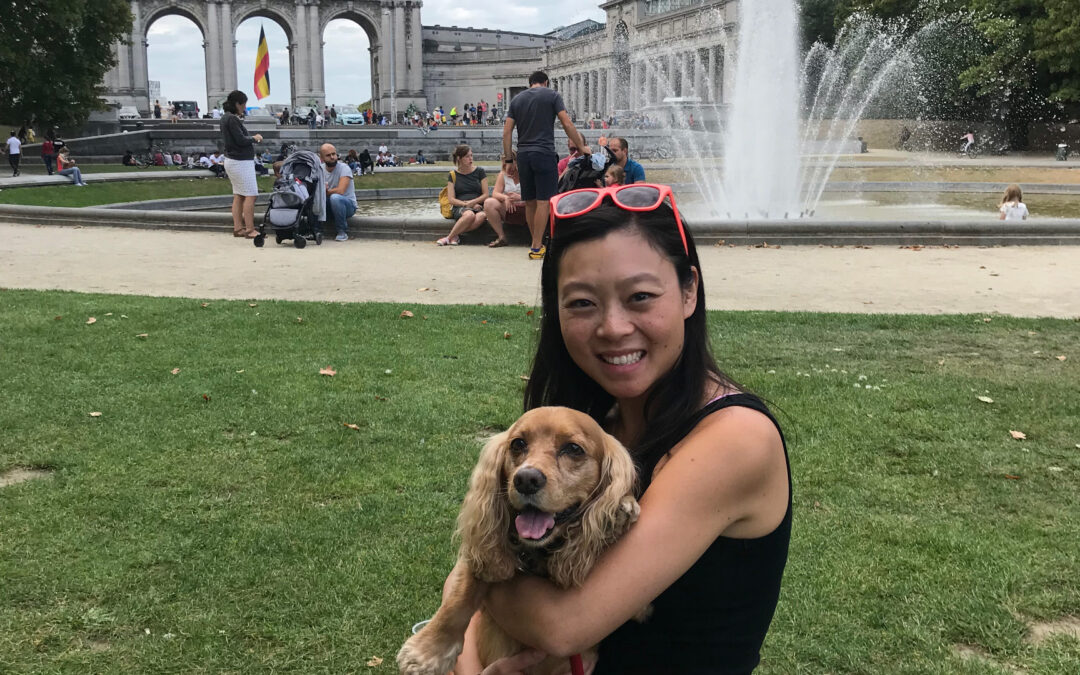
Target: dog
547	496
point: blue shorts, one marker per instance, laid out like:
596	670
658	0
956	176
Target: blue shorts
539	173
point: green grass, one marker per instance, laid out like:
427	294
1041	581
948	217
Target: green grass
98	193
227	510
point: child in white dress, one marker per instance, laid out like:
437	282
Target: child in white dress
1012	204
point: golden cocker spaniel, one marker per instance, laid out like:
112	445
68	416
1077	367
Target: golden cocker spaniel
546	498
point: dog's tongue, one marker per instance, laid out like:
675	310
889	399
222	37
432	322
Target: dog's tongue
534	524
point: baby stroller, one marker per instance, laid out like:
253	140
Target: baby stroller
582	172
295	212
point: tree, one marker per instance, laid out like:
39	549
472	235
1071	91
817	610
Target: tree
54	55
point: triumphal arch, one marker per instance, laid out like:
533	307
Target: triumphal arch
392	26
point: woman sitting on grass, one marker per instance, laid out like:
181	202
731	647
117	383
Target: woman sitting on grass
623	337
467	188
66	165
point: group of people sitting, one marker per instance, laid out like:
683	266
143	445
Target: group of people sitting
471	207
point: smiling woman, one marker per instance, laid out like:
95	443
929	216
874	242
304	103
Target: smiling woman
174	57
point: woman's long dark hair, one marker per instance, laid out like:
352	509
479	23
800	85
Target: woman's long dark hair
676	397
236	96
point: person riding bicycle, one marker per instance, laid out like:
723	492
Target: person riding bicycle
969	137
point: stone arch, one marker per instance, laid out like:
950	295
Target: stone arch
370	25
245	13
138	56
173	9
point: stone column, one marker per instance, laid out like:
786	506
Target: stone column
400	59
686	82
140	75
212	55
228	46
725	86
315	47
699	75
375	89
416	52
384	59
301	56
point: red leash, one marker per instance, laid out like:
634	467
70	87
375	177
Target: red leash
576	667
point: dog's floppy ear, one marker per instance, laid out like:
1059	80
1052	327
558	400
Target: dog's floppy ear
607	515
484	521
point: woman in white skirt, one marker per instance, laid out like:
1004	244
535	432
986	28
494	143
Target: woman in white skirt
240	164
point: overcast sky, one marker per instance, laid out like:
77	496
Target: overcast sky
176	55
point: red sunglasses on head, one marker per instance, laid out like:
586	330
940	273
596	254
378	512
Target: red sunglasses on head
636	197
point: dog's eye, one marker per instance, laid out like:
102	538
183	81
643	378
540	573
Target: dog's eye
518	446
572	450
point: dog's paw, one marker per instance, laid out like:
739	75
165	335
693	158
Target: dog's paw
427	657
628	512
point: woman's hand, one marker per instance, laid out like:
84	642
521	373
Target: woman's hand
509	204
258	138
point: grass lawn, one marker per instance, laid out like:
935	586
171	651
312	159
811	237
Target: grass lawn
224	518
98	193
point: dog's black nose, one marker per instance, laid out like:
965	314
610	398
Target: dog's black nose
529	481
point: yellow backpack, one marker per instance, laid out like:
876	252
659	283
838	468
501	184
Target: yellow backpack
445	207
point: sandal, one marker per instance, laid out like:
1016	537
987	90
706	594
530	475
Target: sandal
447	241
251	235
498	243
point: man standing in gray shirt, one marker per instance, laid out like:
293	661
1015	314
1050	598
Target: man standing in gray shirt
534	112
340	194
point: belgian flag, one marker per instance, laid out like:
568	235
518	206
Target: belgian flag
262	67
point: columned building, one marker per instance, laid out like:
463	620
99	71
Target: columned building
646	52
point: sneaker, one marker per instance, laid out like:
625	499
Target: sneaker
341	237
537	253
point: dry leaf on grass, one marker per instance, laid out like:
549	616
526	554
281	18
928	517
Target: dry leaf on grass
108	313
206	397
57	318
1061	358
90	321
526	379
240	371
253	304
483	322
406	314
506	335
354	427
986	399
1012	476
327	371
143	335
95	414
375	662
530	313
1018	435
175	371
987	320
205	304
299	319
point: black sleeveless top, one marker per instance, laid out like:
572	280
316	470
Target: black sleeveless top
713	619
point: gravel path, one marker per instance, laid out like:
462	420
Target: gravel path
1022	281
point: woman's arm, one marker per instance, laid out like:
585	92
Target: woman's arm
483	192
500	185
235	133
451	196
728	477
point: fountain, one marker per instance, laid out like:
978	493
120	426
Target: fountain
787	127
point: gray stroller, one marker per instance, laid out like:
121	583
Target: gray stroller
298	203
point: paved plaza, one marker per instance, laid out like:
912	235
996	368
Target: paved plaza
1022	281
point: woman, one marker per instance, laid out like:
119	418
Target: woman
505	204
623	337
353	160
240	164
66	166
467	188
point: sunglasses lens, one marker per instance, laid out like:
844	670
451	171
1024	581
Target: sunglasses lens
574	202
638	197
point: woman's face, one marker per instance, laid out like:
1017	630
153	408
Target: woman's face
466	161
621	310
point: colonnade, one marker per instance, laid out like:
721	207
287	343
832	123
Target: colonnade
696	73
393	28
